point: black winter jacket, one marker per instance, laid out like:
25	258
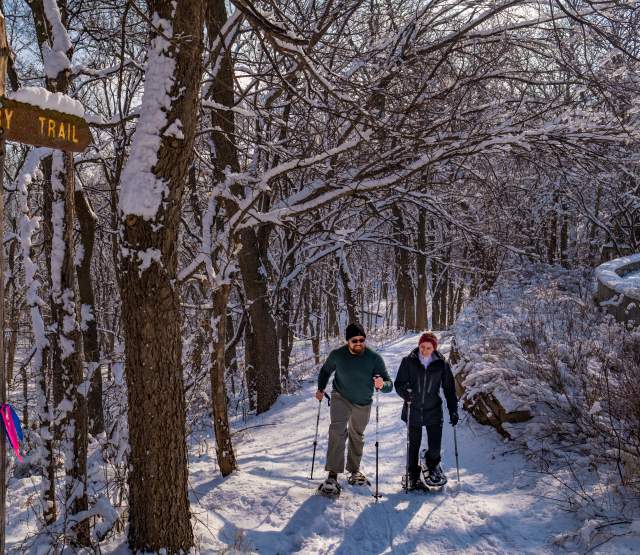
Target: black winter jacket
425	383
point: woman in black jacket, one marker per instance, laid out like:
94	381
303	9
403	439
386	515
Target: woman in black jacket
421	375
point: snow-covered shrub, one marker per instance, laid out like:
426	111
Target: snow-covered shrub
538	344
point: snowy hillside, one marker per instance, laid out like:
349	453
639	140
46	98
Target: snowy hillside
269	506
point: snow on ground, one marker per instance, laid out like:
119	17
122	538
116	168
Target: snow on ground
503	506
269	506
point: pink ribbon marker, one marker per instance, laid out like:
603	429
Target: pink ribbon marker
7	419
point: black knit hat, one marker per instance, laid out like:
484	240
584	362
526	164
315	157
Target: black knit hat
354	330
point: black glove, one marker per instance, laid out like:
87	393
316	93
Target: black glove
454	418
407	395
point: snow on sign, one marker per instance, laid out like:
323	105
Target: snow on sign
38	126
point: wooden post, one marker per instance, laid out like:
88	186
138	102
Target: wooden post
4	55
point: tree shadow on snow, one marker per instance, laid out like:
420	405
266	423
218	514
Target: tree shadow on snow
306	521
376	528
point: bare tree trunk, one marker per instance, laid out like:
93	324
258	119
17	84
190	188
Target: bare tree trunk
87	220
263	356
552	231
421	271
348	287
409	299
14	329
65	297
250	369
261	352
450	300
438	303
317	320
159	516
564	236
403	284
4	56
230	355
40	360
333	327
593	228
224	448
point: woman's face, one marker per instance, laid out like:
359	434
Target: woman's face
426	348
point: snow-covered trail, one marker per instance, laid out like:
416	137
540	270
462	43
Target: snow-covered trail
269	506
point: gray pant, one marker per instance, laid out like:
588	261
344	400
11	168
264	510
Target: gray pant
347	419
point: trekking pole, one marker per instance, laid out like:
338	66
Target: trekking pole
377	494
406	474
455	443
315	441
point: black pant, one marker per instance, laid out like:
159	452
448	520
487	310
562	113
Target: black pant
432	456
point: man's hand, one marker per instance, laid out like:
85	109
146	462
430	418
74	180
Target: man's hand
407	395
378	382
319	395
454	418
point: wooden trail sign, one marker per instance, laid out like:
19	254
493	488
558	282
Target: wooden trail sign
25	123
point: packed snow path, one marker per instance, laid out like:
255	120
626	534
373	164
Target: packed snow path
269	506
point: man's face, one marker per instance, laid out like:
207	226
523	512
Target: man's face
356	344
426	348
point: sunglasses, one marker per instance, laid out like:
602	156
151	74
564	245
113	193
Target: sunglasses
357	340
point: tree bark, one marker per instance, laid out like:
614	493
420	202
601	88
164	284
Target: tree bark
224	448
73	413
333	328
401	268
87	220
159	516
421	271
262	358
348	288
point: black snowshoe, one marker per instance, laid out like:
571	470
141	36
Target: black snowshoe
434	478
415	484
330	488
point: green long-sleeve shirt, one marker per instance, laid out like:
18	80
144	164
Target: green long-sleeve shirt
354	374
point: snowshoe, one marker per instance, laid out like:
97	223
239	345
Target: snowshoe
330	488
358	479
414	484
435	478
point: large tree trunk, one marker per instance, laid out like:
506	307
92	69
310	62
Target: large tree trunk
152	188
87	220
263	356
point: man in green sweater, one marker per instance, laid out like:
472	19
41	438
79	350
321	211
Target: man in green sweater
358	370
